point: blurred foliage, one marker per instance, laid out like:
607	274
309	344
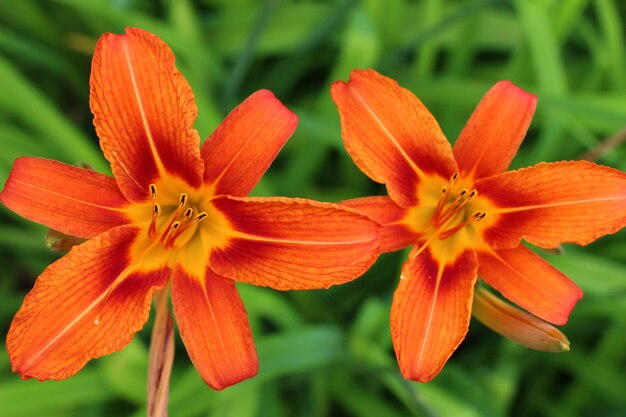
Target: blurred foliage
329	352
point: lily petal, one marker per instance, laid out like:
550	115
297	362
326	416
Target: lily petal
75	201
288	243
144	112
530	282
390	134
244	145
430	312
395	233
214	326
87	304
494	132
512	323
553	203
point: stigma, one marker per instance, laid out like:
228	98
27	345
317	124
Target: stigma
453	212
178	221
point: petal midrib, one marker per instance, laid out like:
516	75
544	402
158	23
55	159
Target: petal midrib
390	135
142	112
563	203
430	315
121	210
259	128
247	236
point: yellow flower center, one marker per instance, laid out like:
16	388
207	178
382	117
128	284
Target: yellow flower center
179	226
179	219
450	216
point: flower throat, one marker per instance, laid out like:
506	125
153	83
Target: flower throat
450	214
180	220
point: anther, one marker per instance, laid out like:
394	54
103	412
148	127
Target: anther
153	191
200	217
479	215
183	200
453	178
188	214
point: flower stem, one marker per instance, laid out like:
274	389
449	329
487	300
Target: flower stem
161	357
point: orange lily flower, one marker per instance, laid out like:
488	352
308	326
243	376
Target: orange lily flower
173	213
464	215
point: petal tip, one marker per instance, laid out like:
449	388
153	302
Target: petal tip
512	88
271	100
222	385
413	375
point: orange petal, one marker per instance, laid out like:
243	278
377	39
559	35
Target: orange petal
494	132
430	312
390	134
87	304
144	112
553	203
214	327
530	282
244	145
288	243
75	201
395	234
514	324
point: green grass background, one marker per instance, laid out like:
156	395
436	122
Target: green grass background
328	353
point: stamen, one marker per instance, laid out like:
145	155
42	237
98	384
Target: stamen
167	236
186	226
176	223
451	209
188	214
476	217
456	207
156	211
182	202
443	199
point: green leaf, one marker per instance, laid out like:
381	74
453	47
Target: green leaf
32	398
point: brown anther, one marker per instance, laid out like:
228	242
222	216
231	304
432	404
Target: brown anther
200	217
453	178
153	191
188	214
183	200
479	215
